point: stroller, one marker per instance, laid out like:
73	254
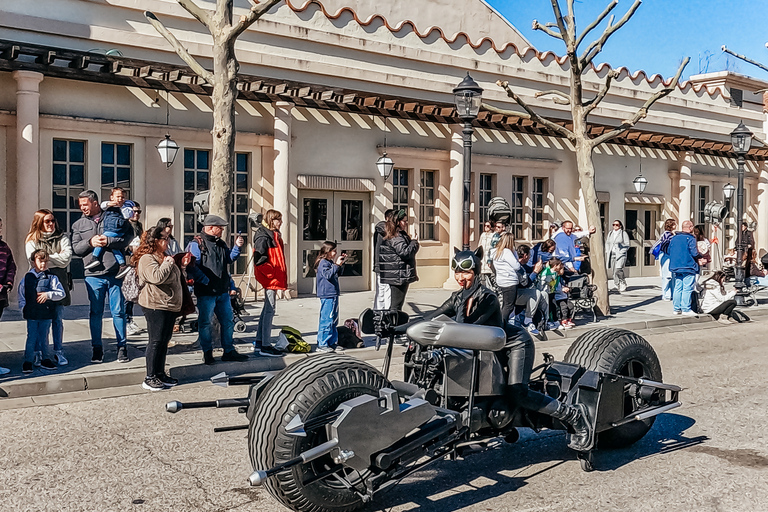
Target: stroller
237	301
582	294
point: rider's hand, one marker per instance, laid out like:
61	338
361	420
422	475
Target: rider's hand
239	241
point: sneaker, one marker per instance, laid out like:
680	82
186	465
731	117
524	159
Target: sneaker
3	371
153	384
122	271
47	364
724	320
690	313
59	358
622	287
551	326
256	349
532	329
323	350
98	355
567	324
208	357
167	381
92	264
270	352
27	367
677	312
132	329
122	355
38	359
338	349
234	355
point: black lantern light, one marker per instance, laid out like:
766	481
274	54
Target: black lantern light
741	140
468	97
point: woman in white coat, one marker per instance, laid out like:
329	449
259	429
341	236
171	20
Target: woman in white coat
716	301
616	247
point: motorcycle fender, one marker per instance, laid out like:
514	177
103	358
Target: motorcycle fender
491	378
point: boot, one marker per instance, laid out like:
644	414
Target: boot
576	417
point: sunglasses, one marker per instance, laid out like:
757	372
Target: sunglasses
617	224
467	263
52	221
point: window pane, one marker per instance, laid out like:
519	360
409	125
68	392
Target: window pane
308	263
189	159
59	174
188	201
59	151
354	264
241	182
123	154
315	219
189	223
59	198
202	160
74	197
76	151
107	176
76	175
351	220
202	181
242	204
61	218
242	162
189	180
124	177
242	225
107	153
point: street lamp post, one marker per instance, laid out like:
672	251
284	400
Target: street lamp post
467	96
741	140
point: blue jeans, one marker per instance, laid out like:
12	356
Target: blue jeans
681	298
98	252
37	339
666	278
264	332
99	288
57	330
327	335
208	305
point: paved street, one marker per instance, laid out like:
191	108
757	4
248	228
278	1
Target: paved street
126	453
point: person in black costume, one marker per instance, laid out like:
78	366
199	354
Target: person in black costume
476	304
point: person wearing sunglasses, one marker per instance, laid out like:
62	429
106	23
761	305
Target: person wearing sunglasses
476	304
397	258
45	234
616	248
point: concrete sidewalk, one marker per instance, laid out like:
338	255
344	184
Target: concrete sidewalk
639	308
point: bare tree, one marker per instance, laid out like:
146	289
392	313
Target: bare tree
564	28
223	79
745	58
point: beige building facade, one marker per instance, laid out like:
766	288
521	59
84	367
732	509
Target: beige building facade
88	89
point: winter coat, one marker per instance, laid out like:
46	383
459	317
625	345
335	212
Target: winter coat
59	250
35	282
714	295
506	268
86	228
683	254
161	284
483	307
485	243
616	245
379	233
269	259
397	260
7	272
327	279
213	259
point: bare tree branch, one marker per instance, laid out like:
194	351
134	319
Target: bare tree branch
534	116
560	97
246	20
597	21
590	105
545	28
642	111
202	15
561	24
179	48
597	46
744	58
504	112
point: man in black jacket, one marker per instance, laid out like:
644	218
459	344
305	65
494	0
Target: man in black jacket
101	281
383	296
213	259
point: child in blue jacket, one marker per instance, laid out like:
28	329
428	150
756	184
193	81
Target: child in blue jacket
327	268
38	292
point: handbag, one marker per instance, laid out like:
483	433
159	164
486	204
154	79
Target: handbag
656	251
131	287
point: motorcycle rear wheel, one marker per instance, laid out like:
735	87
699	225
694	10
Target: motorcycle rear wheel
311	387
624	353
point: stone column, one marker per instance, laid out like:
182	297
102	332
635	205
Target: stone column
281	202
672	206
761	233
685	159
456	190
27	146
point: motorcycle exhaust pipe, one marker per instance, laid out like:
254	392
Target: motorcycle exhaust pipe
176	406
224	380
259	476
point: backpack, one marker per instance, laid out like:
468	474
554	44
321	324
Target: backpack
295	342
131	286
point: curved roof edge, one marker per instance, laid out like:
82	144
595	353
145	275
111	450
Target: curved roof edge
526	53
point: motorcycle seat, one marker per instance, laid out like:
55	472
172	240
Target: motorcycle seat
444	332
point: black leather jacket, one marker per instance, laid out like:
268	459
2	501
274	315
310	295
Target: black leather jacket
397	260
483	307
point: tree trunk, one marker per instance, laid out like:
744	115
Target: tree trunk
223	98
596	244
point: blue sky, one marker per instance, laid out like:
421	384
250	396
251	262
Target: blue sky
661	33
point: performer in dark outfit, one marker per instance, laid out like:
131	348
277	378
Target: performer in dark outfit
476	304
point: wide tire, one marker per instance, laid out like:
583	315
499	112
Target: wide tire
311	387
624	353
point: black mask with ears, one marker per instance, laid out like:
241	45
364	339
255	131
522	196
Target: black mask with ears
467	260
